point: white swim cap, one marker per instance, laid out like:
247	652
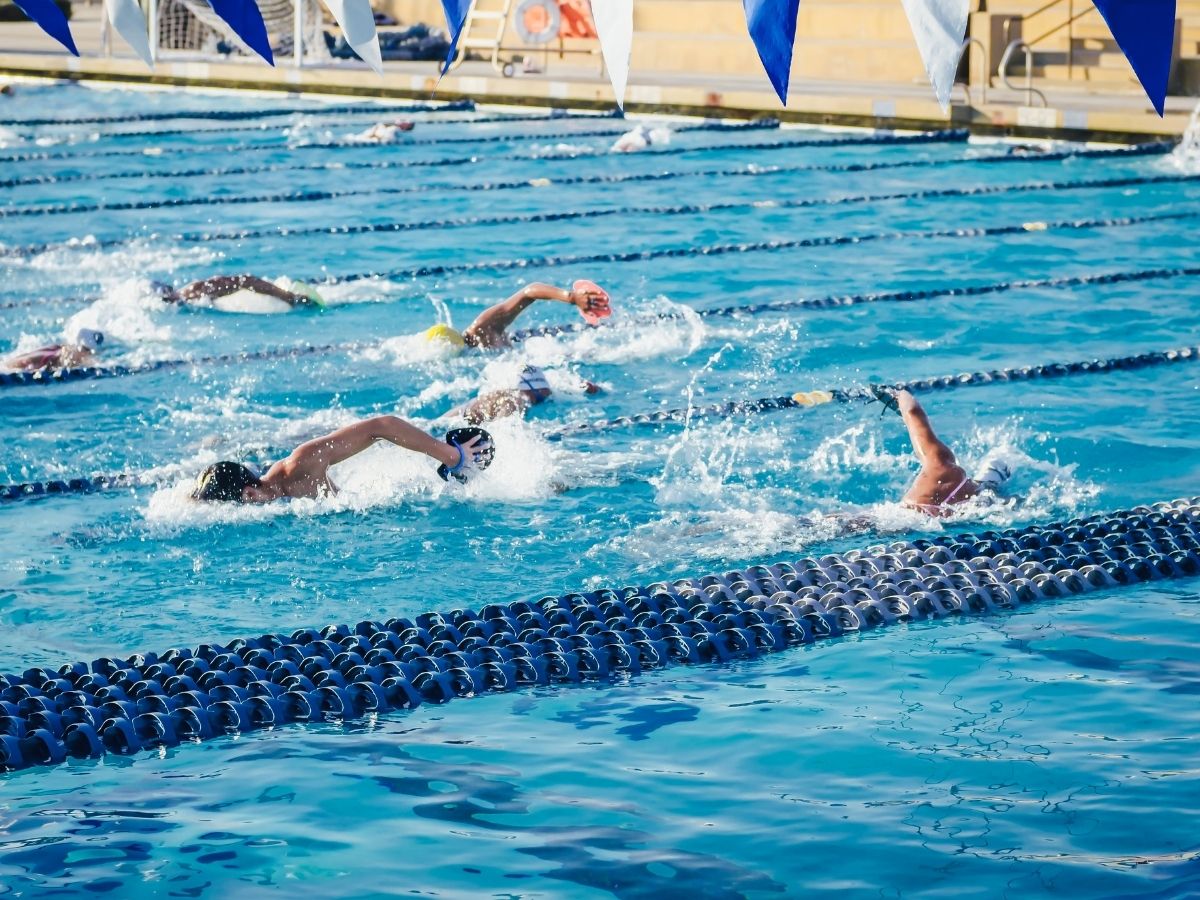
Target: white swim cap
90	338
533	379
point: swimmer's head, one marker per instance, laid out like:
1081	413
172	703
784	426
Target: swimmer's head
227	482
163	291
533	383
302	289
89	338
445	334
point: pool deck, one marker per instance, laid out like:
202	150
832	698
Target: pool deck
1072	113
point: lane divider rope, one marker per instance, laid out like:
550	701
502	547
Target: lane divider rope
573	181
732	409
573	215
237	115
813	398
384	165
707	250
275	129
840	301
754	125
126	705
81	373
549	262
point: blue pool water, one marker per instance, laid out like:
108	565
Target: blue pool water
1047	752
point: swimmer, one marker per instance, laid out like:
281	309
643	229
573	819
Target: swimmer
212	291
6	90
305	473
488	330
80	351
532	389
942	483
384	132
641	138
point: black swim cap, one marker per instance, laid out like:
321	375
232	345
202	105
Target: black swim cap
224	482
460	436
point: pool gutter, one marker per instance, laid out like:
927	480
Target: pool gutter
871	107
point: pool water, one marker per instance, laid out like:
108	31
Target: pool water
1042	753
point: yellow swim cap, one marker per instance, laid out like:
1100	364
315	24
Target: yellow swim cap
445	333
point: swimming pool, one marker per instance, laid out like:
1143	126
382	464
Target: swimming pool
1042	752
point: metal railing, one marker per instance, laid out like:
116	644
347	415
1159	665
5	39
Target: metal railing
967	45
1030	90
1027	45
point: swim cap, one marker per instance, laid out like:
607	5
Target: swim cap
305	290
224	482
90	338
445	333
534	380
163	289
480	459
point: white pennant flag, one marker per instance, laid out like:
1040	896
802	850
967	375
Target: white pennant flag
128	21
939	27
614	27
358	25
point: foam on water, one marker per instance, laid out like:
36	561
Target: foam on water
145	257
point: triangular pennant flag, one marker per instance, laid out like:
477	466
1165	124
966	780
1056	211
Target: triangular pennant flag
772	25
1145	32
358	25
456	17
247	23
128	21
50	19
939	27
614	27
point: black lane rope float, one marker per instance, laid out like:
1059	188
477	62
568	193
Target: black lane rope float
547	262
956	136
840	301
755	125
813	398
573	181
237	115
707	250
266	128
52	376
729	410
126	705
571	215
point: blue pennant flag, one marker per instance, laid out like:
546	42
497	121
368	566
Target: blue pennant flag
1145	32
456	18
247	23
772	25
50	19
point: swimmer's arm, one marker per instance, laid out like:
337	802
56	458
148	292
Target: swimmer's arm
224	285
491	324
319	454
495	405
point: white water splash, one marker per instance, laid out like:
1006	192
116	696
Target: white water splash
1186	156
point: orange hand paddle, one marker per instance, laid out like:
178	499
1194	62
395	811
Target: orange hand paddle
603	311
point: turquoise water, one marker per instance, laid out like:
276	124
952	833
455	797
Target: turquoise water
1037	754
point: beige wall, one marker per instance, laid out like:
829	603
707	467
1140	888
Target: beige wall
836	39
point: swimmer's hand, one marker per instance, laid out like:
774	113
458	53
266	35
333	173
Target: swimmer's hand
473	457
905	400
591	302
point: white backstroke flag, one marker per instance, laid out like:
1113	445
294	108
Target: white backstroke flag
128	21
939	27
614	27
358	25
